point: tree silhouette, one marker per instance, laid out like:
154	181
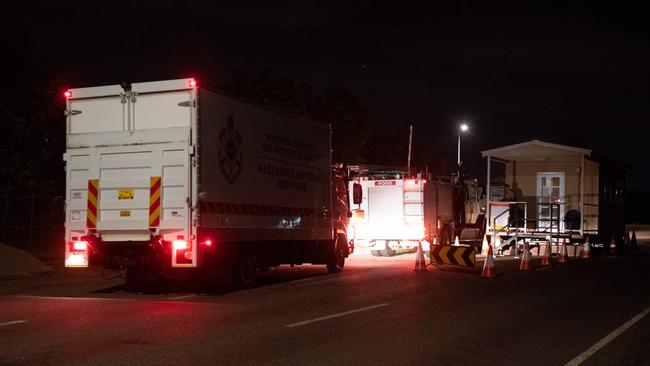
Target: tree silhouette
33	128
333	105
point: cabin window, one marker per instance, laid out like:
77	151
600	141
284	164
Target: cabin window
607	193
618	193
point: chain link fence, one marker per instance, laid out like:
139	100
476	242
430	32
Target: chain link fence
31	222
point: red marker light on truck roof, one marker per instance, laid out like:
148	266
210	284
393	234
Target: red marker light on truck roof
67	93
192	83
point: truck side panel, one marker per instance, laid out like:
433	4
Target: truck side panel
262	175
438	206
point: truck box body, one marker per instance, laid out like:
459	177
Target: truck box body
391	213
263	175
397	212
171	162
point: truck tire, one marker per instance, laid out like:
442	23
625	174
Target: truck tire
446	238
136	279
243	273
376	253
388	252
337	262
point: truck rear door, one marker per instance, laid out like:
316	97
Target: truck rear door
129	171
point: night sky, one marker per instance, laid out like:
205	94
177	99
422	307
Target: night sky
575	74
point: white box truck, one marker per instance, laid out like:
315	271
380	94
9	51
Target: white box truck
166	177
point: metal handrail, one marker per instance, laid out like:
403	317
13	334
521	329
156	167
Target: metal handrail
555	222
494	220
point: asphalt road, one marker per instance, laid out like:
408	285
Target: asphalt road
377	312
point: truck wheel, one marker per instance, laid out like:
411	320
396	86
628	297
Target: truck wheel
446	236
244	272
136	279
376	253
388	252
338	261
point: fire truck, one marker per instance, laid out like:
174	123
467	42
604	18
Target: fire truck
392	212
167	177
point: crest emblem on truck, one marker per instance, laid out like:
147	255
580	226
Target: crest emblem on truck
230	154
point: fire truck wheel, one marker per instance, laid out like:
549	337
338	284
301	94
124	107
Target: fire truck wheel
388	252
338	261
376	253
446	236
244	272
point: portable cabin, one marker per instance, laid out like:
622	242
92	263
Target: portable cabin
556	191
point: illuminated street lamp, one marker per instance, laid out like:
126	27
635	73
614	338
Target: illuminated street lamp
463	128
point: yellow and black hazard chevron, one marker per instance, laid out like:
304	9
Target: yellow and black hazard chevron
453	255
91	209
154	202
228	208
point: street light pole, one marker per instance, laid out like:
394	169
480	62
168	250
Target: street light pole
463	128
458	152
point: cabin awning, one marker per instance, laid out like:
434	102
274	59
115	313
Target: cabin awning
536	150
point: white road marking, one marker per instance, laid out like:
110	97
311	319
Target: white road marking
608	338
317	282
70	298
293	325
307	279
13	322
182	297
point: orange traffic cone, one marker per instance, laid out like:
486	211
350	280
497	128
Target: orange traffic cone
546	260
612	247
488	267
484	247
420	263
633	242
564	256
525	259
513	249
586	249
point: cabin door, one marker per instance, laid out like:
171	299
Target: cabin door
550	200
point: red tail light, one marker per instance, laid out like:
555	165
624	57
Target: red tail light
192	83
77	254
80	245
67	94
179	244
